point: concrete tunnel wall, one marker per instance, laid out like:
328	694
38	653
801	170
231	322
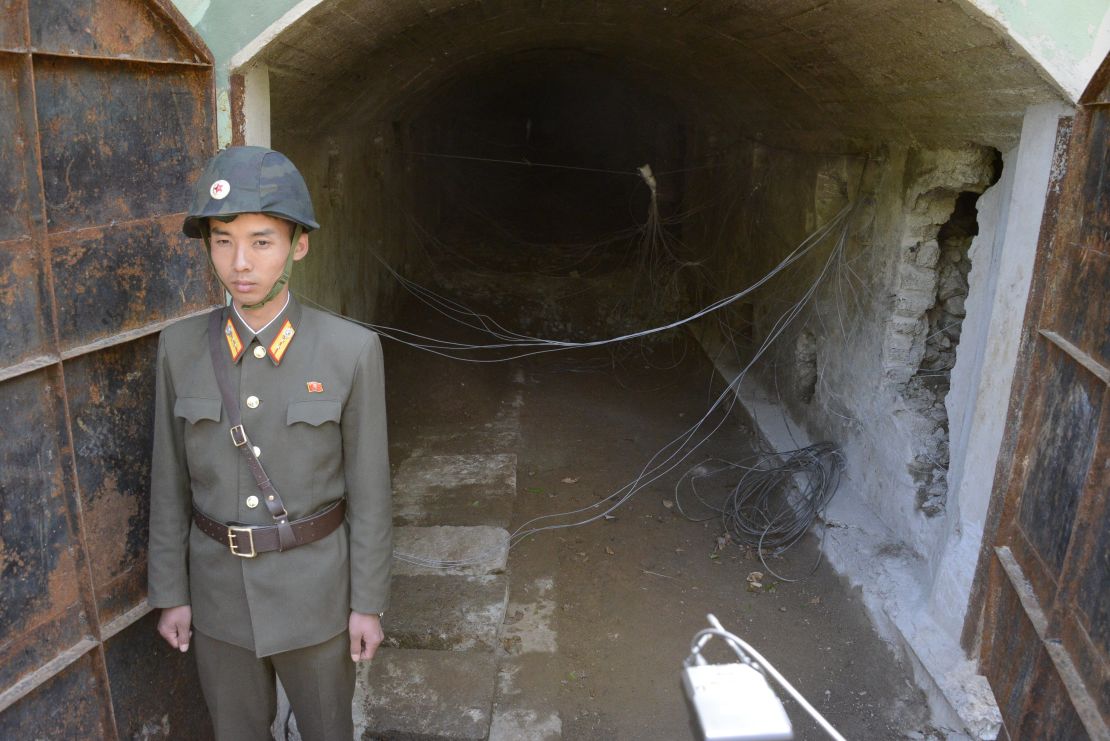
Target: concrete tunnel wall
783	116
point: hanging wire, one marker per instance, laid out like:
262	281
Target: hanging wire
525	345
521	163
751	509
679	449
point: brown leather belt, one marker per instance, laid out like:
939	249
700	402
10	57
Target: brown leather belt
247	541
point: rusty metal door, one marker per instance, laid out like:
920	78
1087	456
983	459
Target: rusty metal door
1046	628
106	116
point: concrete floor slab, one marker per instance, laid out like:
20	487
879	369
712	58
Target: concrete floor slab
623	597
478	550
426	695
455	613
455	490
525	725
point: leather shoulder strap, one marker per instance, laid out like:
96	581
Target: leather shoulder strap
222	368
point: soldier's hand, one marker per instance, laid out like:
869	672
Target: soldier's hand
366	635
174	625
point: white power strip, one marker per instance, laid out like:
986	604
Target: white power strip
735	703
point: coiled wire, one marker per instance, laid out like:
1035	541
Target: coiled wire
775	502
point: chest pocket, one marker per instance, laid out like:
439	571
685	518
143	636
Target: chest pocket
193	410
315	412
203	416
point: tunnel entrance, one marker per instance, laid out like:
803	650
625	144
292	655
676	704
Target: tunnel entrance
510	141
488	159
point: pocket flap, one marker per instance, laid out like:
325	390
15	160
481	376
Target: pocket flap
194	409
315	412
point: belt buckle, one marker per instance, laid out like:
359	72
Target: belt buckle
233	534
238	436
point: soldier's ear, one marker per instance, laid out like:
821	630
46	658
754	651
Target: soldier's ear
301	248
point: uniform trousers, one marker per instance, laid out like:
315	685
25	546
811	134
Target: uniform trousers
241	694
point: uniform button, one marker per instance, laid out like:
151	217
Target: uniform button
259	351
257	451
252	402
252	501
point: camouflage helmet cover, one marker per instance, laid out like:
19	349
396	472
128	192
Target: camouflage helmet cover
242	180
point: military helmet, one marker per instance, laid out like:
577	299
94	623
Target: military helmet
243	180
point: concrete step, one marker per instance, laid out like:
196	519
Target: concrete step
415	695
526	706
448	609
433	615
455	490
452	437
436	676
446	613
484	549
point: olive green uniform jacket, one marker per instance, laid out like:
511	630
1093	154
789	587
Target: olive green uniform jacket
313	402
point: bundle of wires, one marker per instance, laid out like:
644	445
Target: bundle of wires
673	453
776	500
785	526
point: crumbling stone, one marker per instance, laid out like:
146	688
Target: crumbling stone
805	359
930	304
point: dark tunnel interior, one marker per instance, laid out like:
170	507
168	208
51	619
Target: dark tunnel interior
541	154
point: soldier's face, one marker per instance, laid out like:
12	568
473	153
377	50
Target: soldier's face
249	253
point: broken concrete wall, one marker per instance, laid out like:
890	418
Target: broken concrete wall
930	292
1002	256
861	365
844	369
907	250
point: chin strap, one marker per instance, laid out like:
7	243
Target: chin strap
286	272
207	237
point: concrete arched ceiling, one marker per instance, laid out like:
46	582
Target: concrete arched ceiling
846	71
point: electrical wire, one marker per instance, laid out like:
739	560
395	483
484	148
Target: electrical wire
514	340
521	163
776	500
672	454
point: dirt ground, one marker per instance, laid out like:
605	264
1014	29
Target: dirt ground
630	592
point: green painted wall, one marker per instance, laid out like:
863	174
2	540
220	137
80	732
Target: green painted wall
1068	38
227	26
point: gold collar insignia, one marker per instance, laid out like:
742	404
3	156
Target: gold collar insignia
234	344
281	342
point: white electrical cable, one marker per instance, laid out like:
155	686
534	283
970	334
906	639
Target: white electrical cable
518	340
653	470
746	654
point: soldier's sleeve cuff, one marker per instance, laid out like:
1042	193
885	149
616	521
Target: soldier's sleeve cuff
370	608
168	599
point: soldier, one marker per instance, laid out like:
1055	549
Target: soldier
270	522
